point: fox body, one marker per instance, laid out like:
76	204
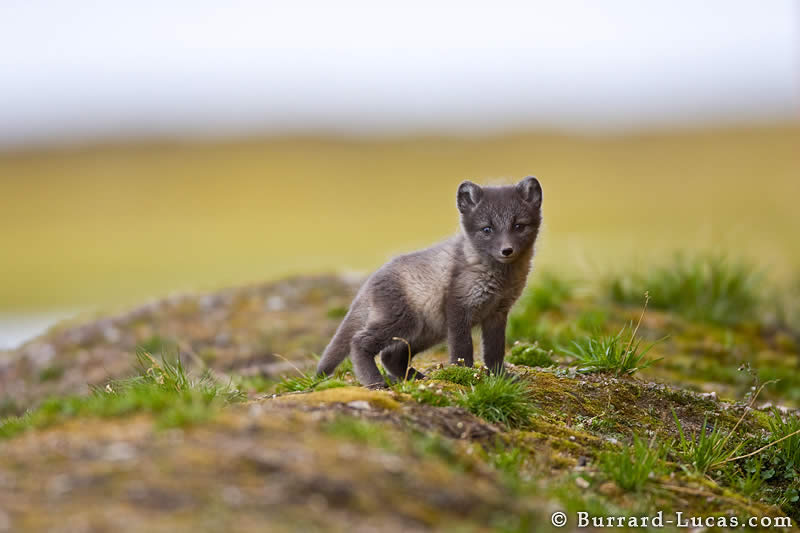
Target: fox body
440	293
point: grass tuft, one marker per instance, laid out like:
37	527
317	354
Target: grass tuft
705	287
163	388
170	375
308	381
705	449
500	399
748	479
786	428
631	467
617	354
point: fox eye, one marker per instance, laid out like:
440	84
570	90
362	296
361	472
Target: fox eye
487	230
519	227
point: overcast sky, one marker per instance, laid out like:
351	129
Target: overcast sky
75	70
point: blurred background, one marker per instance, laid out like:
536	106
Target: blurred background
150	147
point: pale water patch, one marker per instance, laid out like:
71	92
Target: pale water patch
16	328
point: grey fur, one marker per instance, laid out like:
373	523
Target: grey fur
443	291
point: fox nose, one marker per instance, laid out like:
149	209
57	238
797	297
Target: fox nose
507	251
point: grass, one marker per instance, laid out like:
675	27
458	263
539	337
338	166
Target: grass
706	448
617	354
308	381
786	427
500	399
508	459
513	464
163	388
708	287
371	433
360	431
633	466
427	444
8	407
299	383
547	291
51	373
748	479
549	334
170	376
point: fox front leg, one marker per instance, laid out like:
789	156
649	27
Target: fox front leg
494	340
459	336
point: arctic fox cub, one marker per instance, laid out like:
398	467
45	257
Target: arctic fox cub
441	292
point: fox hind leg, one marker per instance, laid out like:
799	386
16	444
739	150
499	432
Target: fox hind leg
396	359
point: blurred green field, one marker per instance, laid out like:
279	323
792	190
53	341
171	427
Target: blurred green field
112	225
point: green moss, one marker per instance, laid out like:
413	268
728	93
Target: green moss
461	375
332	384
425	392
530	355
347	394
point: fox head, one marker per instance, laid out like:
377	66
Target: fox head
501	222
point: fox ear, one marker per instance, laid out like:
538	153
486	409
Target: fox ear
468	196
531	191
